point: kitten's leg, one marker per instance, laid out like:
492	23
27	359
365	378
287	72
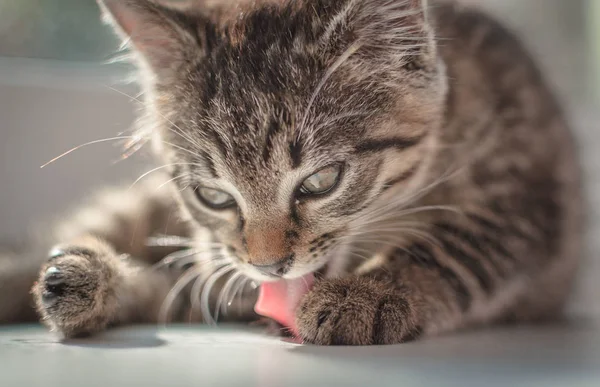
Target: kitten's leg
420	289
86	286
98	275
374	307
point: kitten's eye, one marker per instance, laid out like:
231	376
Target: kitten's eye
321	182
214	198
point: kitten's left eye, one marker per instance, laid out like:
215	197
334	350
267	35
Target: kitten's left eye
214	198
321	182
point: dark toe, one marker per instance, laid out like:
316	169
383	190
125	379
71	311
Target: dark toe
53	277
53	285
49	298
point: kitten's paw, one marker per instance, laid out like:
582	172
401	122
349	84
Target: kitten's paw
75	293
355	311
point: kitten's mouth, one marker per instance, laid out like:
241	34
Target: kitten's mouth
280	299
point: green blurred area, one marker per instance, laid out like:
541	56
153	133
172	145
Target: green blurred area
68	30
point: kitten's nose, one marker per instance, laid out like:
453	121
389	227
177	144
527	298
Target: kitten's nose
278	268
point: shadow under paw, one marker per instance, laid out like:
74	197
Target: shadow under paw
122	338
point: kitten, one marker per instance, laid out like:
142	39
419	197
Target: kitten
411	156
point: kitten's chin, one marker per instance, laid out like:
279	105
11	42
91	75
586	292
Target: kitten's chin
334	264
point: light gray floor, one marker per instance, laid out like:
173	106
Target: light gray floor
566	355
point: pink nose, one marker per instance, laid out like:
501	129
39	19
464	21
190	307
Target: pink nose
267	244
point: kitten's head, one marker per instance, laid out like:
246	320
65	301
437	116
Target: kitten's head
288	125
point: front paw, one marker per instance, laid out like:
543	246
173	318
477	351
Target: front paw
75	291
356	311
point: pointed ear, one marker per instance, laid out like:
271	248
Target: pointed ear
163	37
386	30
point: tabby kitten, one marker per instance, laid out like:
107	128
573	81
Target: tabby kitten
411	156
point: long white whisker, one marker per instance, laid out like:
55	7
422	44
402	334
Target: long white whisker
84	145
405	201
384	242
238	288
179	131
221	305
205	305
403	232
196	289
177	255
181	283
399	214
156	169
389	222
171	180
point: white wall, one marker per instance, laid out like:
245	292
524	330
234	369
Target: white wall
45	109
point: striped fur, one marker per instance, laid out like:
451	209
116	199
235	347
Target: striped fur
459	201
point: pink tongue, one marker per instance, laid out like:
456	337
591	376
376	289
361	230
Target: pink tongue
279	300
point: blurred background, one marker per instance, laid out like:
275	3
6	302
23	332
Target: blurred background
56	92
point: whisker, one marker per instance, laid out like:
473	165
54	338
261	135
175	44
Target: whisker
380	241
221	305
384	222
181	283
154	170
179	131
84	145
404	201
170	180
199	284
238	288
205	305
384	212
405	231
171	258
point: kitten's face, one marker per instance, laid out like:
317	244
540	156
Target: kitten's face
285	127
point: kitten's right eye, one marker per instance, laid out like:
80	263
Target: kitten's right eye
215	198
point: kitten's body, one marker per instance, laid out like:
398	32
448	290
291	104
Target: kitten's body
476	216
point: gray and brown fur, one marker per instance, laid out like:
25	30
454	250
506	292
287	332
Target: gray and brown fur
459	202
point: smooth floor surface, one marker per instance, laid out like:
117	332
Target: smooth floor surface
562	355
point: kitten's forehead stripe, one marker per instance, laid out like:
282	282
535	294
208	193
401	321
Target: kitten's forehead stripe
295	149
378	145
272	131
